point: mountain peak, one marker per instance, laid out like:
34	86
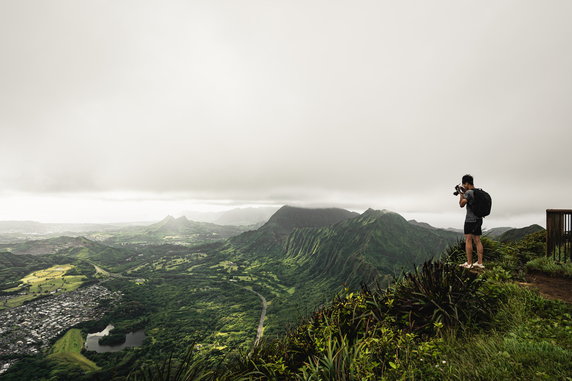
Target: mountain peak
376	213
289	217
171	224
182	219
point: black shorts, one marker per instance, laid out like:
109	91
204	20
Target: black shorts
474	228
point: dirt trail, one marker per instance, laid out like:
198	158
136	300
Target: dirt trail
550	287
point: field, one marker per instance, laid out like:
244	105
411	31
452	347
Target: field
67	350
52	280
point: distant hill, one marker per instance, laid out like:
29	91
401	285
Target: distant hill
422	224
518	234
170	230
13	266
183	226
46	246
69	247
172	225
426	225
495	233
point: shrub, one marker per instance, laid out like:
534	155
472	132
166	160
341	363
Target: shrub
550	266
437	295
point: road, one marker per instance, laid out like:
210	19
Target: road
260	330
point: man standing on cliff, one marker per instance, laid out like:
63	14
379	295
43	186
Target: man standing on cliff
473	224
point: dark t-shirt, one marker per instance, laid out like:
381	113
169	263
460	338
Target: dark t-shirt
469	195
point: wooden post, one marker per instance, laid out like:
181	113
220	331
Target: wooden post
559	234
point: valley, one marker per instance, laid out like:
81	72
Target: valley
218	295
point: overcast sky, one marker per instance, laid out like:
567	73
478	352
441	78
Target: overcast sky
132	110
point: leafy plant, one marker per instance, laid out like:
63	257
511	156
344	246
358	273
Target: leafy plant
190	368
437	293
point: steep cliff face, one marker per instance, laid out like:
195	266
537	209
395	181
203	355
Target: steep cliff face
366	248
288	218
334	246
270	239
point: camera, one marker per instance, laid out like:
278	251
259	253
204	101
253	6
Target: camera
458	189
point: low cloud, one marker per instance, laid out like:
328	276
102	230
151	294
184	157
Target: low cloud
371	106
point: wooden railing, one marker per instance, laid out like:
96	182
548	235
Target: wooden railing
559	234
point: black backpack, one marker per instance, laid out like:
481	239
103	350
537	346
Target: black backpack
482	203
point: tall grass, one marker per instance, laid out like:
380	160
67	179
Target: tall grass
551	267
190	368
525	343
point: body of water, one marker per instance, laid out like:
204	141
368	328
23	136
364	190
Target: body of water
132	339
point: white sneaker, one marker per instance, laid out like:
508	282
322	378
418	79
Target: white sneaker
479	265
466	265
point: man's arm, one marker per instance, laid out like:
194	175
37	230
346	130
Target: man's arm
462	200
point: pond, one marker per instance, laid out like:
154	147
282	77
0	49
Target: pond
132	339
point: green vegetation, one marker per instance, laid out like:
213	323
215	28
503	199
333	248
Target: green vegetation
513	235
549	266
67	352
379	317
200	295
170	230
13	267
72	341
441	322
42	282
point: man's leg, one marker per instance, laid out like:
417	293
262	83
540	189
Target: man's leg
480	250
469	248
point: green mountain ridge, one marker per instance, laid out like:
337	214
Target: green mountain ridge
271	237
372	246
288	218
317	252
518	234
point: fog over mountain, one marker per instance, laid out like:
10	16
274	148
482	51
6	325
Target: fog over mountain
132	110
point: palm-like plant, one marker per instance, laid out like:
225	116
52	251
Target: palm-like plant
437	295
188	369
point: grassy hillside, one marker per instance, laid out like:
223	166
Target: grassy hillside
518	234
13	267
55	279
67	352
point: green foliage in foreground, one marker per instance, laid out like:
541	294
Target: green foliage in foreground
441	322
549	266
